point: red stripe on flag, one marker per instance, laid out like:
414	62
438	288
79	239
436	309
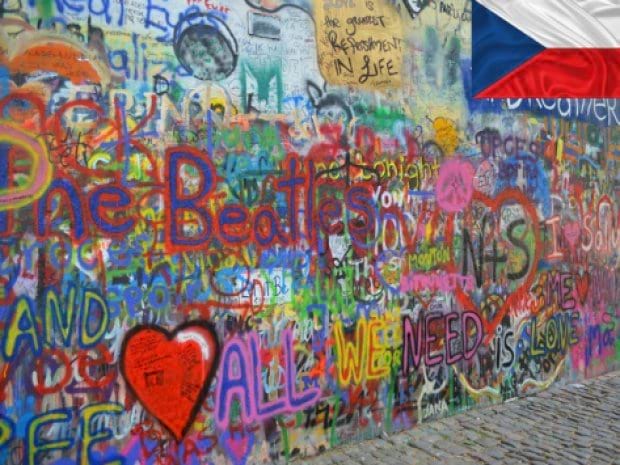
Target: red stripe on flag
562	72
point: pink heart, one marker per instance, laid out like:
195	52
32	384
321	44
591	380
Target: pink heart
572	231
238	445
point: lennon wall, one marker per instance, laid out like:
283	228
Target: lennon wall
239	232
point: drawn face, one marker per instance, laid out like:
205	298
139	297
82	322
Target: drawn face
332	113
206	53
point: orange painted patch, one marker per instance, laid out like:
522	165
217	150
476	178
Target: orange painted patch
62	59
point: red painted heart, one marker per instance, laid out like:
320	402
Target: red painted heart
507	196
170	372
582	284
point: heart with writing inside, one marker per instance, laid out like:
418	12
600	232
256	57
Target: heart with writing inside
170	372
524	283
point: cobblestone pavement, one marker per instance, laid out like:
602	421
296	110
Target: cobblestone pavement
565	425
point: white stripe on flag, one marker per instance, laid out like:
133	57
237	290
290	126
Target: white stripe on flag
563	23
607	12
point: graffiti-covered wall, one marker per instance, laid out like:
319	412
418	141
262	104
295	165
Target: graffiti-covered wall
244	231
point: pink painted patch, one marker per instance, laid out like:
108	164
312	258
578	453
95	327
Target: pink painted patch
572	231
455	185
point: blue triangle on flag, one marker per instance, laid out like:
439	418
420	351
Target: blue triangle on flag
497	48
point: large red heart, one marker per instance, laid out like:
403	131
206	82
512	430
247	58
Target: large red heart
170	372
508	195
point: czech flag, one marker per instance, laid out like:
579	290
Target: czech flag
546	48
